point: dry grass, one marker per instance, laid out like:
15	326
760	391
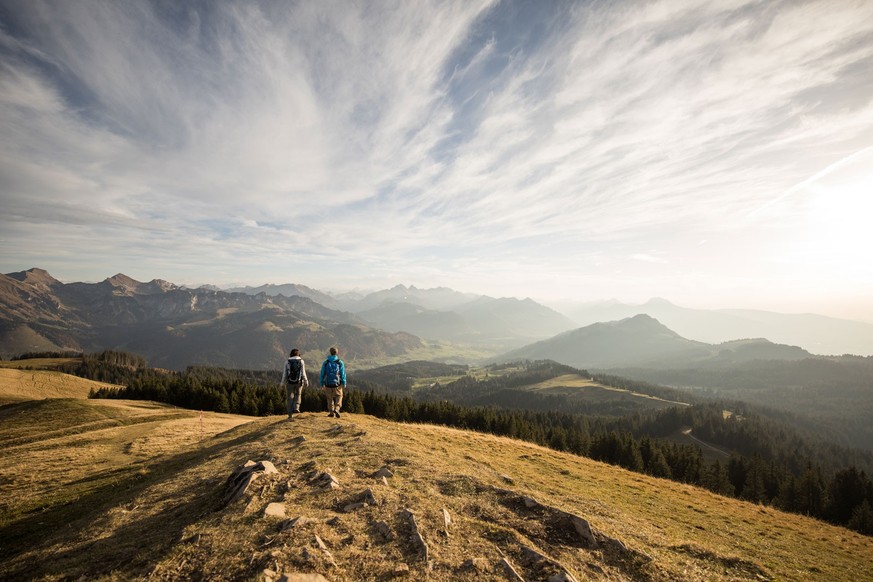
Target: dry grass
145	499
17	385
569	383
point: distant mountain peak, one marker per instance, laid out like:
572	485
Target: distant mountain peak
34	276
659	302
122	280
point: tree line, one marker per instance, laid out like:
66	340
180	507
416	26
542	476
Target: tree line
769	464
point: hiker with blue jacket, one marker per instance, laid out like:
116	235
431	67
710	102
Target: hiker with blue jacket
294	380
333	380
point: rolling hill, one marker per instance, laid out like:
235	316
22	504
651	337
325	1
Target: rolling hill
642	341
143	491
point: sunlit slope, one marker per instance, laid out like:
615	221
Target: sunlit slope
18	384
585	388
145	498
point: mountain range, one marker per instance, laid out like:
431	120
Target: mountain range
175	327
817	333
253	327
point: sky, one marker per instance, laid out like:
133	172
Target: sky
716	153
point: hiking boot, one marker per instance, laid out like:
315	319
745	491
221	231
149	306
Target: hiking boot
330	413
336	414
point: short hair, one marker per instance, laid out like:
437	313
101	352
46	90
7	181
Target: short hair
295	352
332	351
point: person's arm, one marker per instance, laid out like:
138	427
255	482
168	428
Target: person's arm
285	371
342	367
303	371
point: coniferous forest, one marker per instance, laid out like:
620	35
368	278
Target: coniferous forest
769	461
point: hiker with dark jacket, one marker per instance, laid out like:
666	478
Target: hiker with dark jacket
294	379
333	380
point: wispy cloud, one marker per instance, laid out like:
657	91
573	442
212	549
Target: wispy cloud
431	143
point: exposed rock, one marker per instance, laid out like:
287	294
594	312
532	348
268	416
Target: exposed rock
582	528
239	481
369	498
537	558
295	577
275	510
384	481
354	506
447	519
383	472
416	537
268	575
325	481
508	479
326	552
385	530
530	502
510	570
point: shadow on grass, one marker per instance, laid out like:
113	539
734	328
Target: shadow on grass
133	548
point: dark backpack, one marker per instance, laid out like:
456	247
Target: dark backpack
295	371
332	373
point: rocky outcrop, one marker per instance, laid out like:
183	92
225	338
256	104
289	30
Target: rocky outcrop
237	485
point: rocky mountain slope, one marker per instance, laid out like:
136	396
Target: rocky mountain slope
144	490
174	327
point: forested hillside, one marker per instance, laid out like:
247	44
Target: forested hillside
769	462
832	396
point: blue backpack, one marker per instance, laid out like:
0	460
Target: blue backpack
332	373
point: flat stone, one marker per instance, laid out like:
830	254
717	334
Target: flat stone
354	506
275	510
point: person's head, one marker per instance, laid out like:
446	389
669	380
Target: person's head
333	351
295	352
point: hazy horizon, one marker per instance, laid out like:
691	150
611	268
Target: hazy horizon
716	154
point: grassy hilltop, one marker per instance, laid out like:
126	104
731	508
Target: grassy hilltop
113	490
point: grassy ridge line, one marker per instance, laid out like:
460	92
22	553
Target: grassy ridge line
126	521
28	384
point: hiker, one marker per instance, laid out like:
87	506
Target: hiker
294	379
333	380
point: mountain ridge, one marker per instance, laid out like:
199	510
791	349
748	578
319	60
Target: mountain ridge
175	327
